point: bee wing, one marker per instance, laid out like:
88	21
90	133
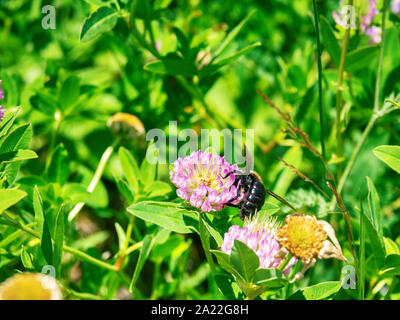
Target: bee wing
249	160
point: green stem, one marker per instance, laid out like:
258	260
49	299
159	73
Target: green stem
285	262
134	247
380	63
58	116
339	147
66	248
86	257
376	112
123	253
356	151
96	178
205	242
321	107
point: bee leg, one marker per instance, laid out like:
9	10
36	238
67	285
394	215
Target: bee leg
237	195
229	173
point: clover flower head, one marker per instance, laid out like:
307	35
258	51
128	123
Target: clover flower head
396	7
259	234
307	239
30	286
375	34
367	19
200	179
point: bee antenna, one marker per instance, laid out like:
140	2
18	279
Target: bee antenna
279	198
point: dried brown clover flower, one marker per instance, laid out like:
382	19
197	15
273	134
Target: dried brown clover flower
30	286
126	124
308	239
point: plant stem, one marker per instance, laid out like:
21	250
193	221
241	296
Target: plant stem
356	151
376	111
285	262
339	147
66	248
96	178
321	107
134	247
128	234
380	63
86	257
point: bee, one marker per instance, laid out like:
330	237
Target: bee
251	184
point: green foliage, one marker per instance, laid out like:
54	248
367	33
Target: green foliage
198	63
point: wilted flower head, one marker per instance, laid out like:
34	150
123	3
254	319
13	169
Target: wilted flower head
259	234
200	180
30	286
307	239
126	124
1	108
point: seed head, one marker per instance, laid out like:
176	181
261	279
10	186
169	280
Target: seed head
30	286
126	124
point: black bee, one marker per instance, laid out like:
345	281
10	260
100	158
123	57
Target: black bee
250	183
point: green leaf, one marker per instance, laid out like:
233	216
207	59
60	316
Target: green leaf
69	92
58	170
100	21
224	262
42	226
7	121
158	189
271	278
148	242
45	103
391	266
74	193
126	191
389	155
361	58
205	241
375	240
244	260
171	66
165	214
374	206
212	68
391	247
9	197
18	155
26	259
148	171
19	138
58	241
321	290
361	254
232	34
121	235
183	41
329	40
213	232
224	282
130	168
